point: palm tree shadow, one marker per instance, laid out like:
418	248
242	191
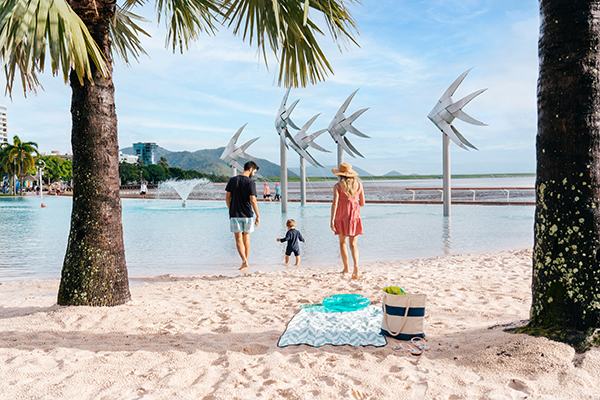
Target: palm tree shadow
16	312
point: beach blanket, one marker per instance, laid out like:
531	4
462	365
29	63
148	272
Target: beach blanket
316	327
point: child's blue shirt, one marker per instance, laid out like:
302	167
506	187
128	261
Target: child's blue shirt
292	236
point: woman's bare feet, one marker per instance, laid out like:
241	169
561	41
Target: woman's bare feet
244	265
355	273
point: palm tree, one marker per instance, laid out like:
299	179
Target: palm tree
566	258
9	165
22	151
5	164
78	38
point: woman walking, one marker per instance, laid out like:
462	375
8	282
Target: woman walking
348	198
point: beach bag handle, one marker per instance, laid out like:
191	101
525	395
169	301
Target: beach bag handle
385	318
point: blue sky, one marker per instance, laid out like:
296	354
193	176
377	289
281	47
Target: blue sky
410	52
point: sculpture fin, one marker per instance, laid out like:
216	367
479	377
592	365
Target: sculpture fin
312	160
352	147
316	146
248	143
347	102
347	123
237	134
290	138
340	140
450	133
310	140
235	164
462	138
305	154
287	114
285	97
452	88
454	107
309	123
463	116
248	156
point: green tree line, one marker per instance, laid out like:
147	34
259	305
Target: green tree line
156	173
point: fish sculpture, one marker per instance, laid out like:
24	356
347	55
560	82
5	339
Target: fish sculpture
446	110
233	152
341	124
283	120
302	141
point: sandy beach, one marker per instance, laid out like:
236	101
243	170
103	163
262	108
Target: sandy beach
215	337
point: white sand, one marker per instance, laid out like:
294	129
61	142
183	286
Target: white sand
193	337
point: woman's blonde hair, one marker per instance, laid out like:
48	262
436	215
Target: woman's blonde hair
349	185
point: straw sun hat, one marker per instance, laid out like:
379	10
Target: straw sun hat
345	169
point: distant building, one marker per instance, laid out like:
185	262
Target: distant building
127	158
146	152
3	126
63	156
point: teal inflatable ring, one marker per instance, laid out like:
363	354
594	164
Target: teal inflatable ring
345	302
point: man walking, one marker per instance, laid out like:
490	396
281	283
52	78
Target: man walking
241	200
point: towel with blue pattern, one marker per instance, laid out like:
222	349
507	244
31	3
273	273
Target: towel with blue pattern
317	327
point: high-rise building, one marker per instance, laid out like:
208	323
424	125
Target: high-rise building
146	152
3	126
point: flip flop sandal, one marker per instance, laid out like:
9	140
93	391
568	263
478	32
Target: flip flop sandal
408	348
420	343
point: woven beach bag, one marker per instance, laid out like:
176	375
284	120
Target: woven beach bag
403	315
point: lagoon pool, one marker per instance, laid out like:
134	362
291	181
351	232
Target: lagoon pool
161	237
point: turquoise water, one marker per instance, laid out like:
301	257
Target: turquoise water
161	237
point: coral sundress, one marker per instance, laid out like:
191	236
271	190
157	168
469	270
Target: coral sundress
347	220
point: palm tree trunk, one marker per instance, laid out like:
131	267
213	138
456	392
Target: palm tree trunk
21	175
94	270
566	258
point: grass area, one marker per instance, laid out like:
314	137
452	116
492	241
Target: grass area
399	177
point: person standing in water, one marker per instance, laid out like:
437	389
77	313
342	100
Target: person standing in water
277	192
292	237
348	198
241	200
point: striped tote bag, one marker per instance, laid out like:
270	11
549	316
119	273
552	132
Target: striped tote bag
403	315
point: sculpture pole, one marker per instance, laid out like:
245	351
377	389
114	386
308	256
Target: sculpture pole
442	115
283	174
233	172
340	155
447	187
302	181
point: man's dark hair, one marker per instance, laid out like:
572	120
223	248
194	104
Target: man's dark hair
250	165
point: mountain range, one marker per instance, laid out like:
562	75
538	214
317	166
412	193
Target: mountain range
208	161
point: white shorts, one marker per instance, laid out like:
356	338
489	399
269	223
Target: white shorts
241	225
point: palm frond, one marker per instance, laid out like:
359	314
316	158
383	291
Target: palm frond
124	34
186	19
29	28
287	29
129	4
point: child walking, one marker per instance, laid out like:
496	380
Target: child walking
292	237
266	192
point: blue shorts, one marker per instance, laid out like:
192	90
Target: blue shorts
289	252
241	225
